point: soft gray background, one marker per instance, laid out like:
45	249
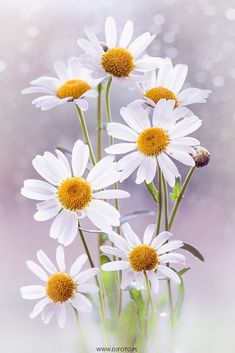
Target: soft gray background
200	33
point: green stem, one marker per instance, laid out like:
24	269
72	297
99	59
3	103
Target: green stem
159	200
99	123
185	184
81	337
165	189
149	293
86	134
108	109
102	305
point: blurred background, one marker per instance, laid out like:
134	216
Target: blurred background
200	33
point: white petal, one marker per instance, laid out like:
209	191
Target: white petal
110	32
131	166
38	190
82	104
78	264
193	95
178	77
149	233
50	83
81	303
47	210
80	157
164	73
125	161
185	127
120	148
134	120
42	167
64	227
115	266
139	114
104	165
141	43
126	34
37	270
92	37
61	71
33	292
89	48
130	235
160	239
154	281
147	170
139	277
88	288
86	275
145	64
30	90
60	258
111	194
107	210
46	262
183	157
168	168
127	278
110	250
174	258
120	242
172	245
64	163
39	307
61	315
121	132
169	273
48	312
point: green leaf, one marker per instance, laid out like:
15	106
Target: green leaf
153	191
176	190
195	252
127	328
161	303
183	271
179	302
110	285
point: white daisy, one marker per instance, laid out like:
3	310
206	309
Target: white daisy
138	258
152	142
68	195
118	59
167	84
74	84
59	287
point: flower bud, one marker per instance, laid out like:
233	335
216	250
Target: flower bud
202	157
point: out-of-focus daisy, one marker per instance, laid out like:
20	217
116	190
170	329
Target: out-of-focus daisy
167	84
118	59
59	287
74	84
68	195
152	142
138	258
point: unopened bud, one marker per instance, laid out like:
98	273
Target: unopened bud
202	157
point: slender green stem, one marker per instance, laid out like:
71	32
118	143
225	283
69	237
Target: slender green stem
159	200
108	109
149	293
111	142
86	134
99	123
101	300
165	202
81	337
185	184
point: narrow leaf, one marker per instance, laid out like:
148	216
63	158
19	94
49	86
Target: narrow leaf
195	252
179	302
127	328
176	190
153	191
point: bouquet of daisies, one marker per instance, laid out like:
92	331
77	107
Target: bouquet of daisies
120	287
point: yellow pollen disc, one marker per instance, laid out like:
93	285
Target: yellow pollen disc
74	193
143	258
152	141
157	93
61	287
73	88
118	62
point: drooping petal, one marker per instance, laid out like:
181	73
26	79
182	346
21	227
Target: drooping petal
64	227
169	273
39	307
81	303
61	315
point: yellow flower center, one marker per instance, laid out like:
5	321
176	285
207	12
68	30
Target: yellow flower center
74	193
73	88
143	258
118	62
152	141
61	287
157	93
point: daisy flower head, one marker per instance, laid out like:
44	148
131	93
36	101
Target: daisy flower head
59	287
69	196
73	84
150	143
139	258
167	84
117	59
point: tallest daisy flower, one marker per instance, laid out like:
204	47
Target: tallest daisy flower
117	59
